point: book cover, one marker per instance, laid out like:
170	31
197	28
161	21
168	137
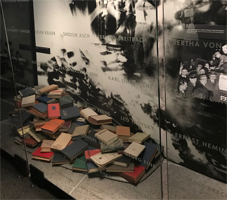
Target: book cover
27	92
109	128
135	176
123	161
69	113
66	101
28	101
39	137
37	154
80	131
72	128
53	125
48	89
75	149
41	107
99	119
89	153
91	139
55	93
106	136
59	159
53	110
148	154
45	99
139	137
61	142
80	164
134	150
46	145
123	130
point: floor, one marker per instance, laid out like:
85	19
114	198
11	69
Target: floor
177	182
15	186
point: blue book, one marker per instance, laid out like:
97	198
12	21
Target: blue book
69	113
45	99
148	154
27	92
41	107
92	167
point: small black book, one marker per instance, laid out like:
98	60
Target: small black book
66	101
72	128
59	159
26	92
91	139
69	113
122	161
75	149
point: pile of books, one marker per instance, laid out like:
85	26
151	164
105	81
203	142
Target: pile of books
67	134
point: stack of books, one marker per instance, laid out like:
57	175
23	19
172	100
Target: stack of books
67	134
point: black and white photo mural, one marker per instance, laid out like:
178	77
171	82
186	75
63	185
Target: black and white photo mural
195	112
103	53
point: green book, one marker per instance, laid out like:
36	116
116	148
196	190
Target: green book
80	164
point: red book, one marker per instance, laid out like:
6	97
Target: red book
30	142
90	153
42	156
135	176
53	110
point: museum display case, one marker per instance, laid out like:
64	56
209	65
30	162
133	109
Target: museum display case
104	56
157	77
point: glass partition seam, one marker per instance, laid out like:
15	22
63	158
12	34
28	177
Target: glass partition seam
11	65
159	105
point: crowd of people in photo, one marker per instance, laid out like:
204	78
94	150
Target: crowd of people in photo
201	78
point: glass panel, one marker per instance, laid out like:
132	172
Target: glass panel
104	53
18	74
195	108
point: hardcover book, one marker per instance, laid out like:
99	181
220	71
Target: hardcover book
65	127
48	89
52	126
91	139
61	142
109	128
134	150
139	137
36	113
106	136
75	149
148	154
40	107
46	145
80	132
28	101
114	146
38	124
55	94
69	113
38	155
39	137
53	110
134	177
80	164
27	92
103	159
23	131
123	130
117	168
37	87
59	159
45	99
30	142
66	101
72	128
122	161
92	167
89	153
94	118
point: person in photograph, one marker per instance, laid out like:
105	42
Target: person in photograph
198	68
145	18
203	70
192	82
130	22
201	91
212	81
182	86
